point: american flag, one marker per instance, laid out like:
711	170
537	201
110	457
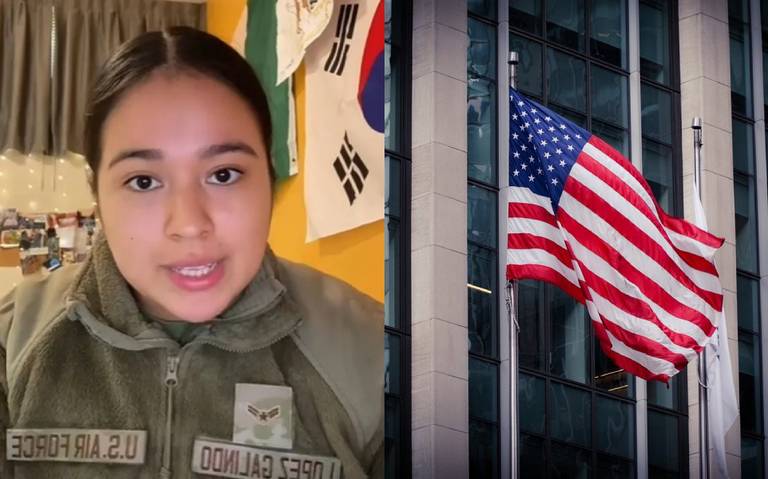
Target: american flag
583	218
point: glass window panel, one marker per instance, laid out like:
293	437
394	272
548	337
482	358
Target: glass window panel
577	118
656	473
566	75
765	71
749	383
526	15
529	70
658	170
614	468
662	395
481	55
616	137
663	442
482	301
389	114
570	414
654	41
531	405
391	364
608	31
738	11
748	303
764	17
656	114
570	462
569	356
610	101
481	102
483	450
743	147
532	457
485	8
565	23
481	130
482	216
392	187
746	223
615	427
741	68
392	282
610	377
392	435
483	390
751	457
391	94
531	339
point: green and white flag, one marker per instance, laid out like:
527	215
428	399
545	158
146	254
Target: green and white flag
273	35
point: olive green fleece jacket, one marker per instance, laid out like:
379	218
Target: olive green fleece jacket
76	352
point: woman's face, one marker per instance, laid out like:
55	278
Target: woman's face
184	194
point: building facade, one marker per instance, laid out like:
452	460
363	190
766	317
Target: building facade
475	392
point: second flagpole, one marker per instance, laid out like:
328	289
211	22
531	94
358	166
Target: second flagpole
702	370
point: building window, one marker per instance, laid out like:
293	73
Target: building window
662	152
574	58
397	339
748	274
579	408
660	103
482	240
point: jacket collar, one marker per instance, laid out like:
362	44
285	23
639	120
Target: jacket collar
102	300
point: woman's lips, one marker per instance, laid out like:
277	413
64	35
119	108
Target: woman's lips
196	277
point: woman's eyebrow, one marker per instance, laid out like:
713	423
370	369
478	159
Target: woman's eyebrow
206	153
142	154
228	147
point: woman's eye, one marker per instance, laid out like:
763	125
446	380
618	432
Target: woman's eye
224	176
143	183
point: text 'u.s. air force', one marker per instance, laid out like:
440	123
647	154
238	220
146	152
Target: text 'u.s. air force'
76	445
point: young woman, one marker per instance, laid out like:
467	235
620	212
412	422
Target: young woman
183	337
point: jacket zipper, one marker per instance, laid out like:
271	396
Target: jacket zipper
171	380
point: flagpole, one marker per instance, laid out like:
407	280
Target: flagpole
703	393
511	295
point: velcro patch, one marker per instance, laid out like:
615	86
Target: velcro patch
263	416
225	459
109	446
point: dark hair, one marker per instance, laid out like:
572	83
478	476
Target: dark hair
179	49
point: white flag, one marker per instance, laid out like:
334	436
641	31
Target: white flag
722	404
298	25
344	166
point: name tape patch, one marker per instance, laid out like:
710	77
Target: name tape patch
223	459
112	446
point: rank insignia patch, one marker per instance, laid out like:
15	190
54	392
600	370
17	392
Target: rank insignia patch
263	416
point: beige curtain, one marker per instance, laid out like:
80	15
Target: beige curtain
25	75
42	103
87	31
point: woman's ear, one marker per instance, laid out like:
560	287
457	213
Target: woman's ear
91	178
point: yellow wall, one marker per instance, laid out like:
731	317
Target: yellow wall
356	256
222	17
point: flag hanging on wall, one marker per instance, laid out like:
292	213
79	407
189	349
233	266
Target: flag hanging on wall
256	37
582	217
344	167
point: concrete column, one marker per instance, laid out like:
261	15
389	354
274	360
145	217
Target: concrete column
706	92
439	240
